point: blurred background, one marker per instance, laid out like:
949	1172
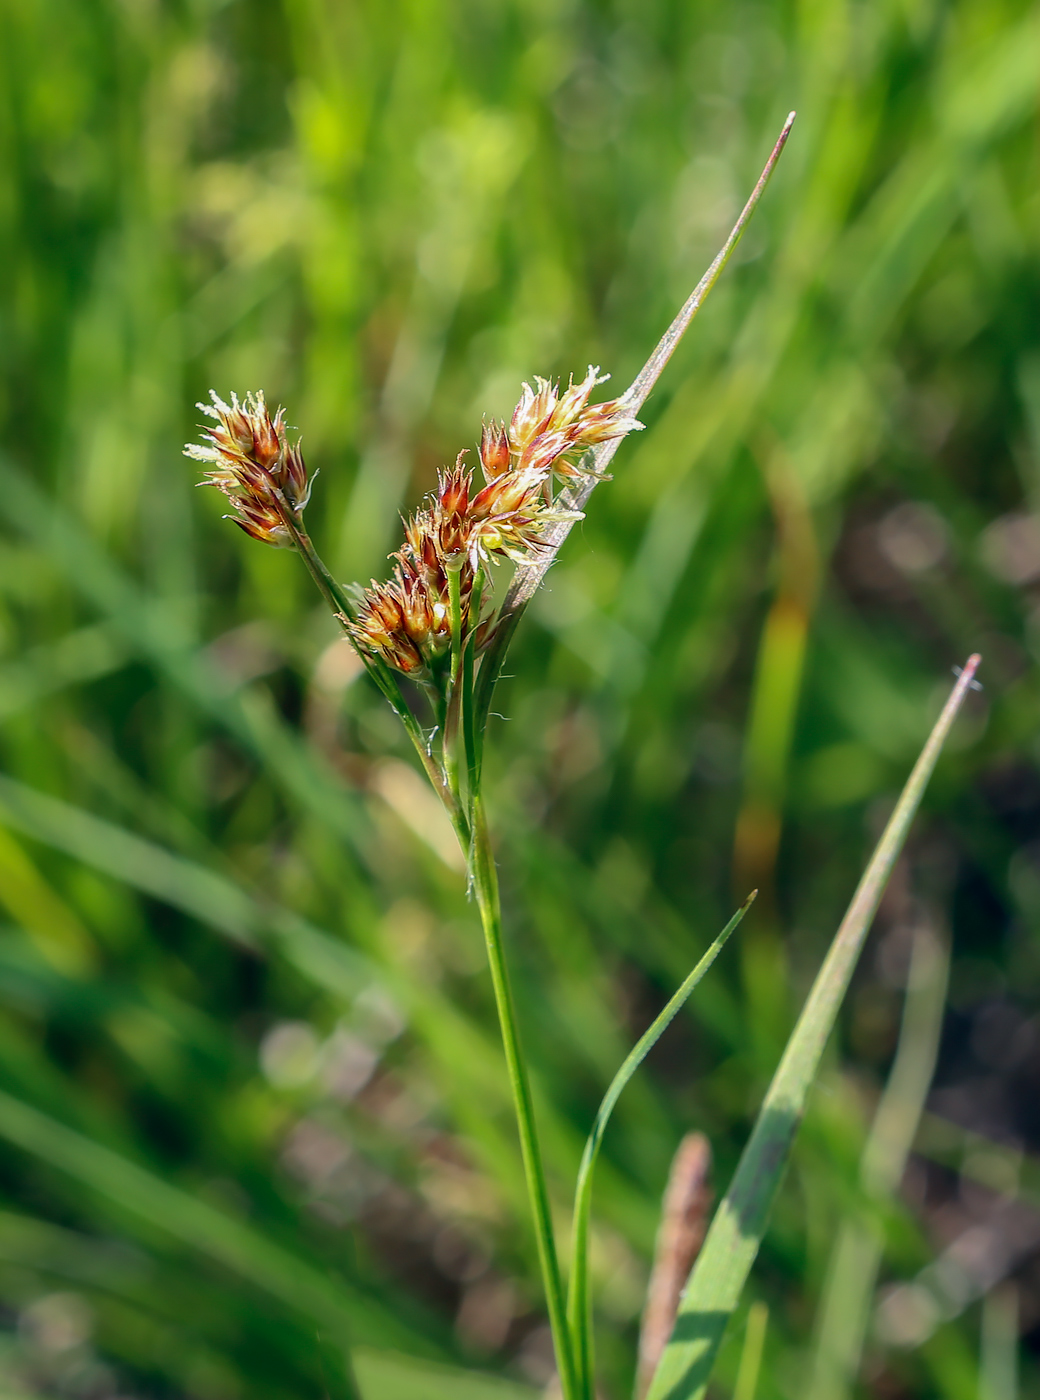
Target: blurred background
251	1096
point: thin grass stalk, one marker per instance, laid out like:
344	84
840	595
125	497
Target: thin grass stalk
485	886
456	694
471	735
339	602
736	1232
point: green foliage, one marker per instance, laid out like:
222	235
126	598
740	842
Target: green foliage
247	1035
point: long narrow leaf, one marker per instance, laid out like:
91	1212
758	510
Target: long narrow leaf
580	1300
729	1251
529	574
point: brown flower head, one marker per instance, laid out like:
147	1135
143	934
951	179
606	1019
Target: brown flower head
458	531
260	472
510	515
551	431
406	622
494	450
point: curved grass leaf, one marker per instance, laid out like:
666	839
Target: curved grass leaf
579	1307
718	1278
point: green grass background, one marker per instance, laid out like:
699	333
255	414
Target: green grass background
252	1100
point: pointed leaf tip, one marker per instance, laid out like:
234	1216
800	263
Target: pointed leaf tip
715	1285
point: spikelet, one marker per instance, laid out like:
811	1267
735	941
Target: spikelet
255	466
406	622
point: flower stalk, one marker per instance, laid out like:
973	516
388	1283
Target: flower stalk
485	887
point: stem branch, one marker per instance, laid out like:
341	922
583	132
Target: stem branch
342	607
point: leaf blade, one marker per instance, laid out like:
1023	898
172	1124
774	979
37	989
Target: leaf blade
736	1232
580	1300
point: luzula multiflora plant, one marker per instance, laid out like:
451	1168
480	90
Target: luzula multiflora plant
434	624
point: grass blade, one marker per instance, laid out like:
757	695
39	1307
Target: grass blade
529	574
579	1303
203	894
736	1232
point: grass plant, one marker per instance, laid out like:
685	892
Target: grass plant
437	624
247	1034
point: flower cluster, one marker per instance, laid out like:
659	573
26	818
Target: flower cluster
260	472
406	621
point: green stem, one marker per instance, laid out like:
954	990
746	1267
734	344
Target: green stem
455	696
485	884
455	605
343	608
469	729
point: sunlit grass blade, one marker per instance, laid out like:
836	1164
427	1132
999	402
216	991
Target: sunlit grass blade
852	1275
579	1303
736	1232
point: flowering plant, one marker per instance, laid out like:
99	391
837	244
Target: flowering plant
435	624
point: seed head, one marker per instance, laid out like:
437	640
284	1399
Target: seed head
260	472
494	450
551	431
406	622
